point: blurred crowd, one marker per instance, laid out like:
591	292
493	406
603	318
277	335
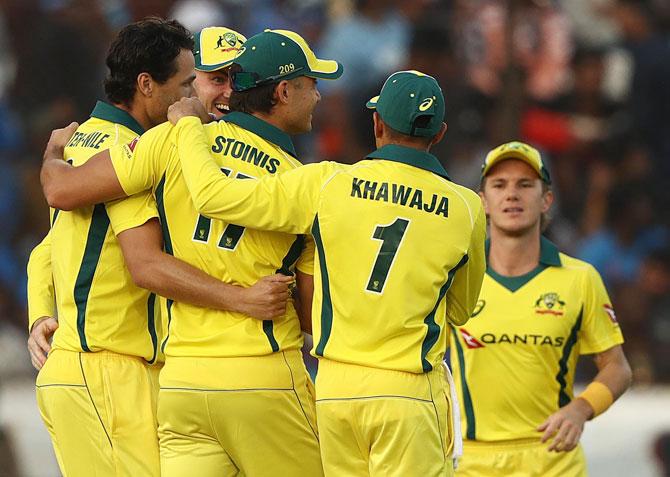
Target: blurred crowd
586	81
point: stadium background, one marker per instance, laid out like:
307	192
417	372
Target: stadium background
583	80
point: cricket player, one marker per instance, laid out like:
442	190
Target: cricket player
109	330
400	256
235	397
539	309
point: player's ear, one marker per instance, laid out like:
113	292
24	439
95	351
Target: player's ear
481	195
145	84
282	92
438	137
378	125
547	200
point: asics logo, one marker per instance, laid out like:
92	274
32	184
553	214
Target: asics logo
425	104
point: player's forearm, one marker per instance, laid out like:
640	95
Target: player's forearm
67	188
172	278
242	202
614	371
305	294
613	378
56	180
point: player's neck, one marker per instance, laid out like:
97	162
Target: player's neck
513	256
138	113
409	142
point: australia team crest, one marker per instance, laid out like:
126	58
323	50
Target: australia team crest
550	304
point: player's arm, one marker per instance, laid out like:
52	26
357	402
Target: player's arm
155	270
468	277
600	335
42	321
305	290
66	187
304	272
613	378
284	203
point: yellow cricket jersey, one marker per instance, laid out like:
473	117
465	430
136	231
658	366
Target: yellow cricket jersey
244	147
514	361
400	247
41	296
99	306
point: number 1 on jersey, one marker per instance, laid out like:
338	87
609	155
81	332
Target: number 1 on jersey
391	236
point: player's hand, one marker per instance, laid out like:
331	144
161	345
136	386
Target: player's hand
267	298
59	138
38	340
188	107
566	425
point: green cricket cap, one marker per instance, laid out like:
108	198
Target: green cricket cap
215	48
407	96
517	150
276	55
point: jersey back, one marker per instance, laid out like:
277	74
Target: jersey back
395	244
233	254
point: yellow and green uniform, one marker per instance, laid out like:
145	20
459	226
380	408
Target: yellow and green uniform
204	348
41	295
523	341
400	254
108	329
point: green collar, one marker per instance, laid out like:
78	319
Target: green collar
263	129
113	114
410	156
549	257
549	253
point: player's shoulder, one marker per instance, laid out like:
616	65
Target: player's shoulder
578	267
571	263
158	133
461	196
93	135
465	192
322	172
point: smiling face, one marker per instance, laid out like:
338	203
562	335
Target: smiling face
213	88
514	198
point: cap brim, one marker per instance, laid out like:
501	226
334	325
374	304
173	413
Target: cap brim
512	155
372	103
220	66
325	69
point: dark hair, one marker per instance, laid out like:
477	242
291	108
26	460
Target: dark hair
260	99
147	46
419	122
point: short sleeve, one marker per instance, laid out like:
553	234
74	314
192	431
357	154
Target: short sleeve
600	330
131	212
469	274
140	163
